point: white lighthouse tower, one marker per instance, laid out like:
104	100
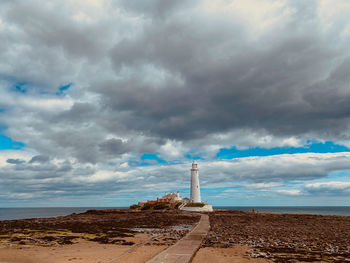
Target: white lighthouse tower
195	189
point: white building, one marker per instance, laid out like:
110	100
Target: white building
175	197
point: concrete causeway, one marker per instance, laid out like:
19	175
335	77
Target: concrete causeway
184	250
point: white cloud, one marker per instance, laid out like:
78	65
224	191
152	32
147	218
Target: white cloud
329	186
172	150
289	192
47	104
333	15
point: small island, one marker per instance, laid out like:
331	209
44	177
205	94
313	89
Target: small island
175	201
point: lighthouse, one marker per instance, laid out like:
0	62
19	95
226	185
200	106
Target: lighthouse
195	189
194	204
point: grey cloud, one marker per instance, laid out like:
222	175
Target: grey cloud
209	76
328	188
15	161
81	112
155	8
280	168
39	159
248	87
46	28
117	146
65	167
113	146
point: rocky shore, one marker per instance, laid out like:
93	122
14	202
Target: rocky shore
283	237
105	227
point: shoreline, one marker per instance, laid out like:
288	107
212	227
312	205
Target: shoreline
49	212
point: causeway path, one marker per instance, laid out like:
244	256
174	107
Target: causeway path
184	250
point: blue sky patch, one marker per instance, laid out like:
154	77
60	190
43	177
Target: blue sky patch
62	89
152	157
148	159
20	87
6	143
312	147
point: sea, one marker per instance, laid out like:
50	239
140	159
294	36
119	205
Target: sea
42	212
317	210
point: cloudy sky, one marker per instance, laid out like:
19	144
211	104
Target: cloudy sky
106	103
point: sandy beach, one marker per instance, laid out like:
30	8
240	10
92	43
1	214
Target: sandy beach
87	252
97	253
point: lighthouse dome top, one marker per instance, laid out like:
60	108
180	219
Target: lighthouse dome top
194	165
